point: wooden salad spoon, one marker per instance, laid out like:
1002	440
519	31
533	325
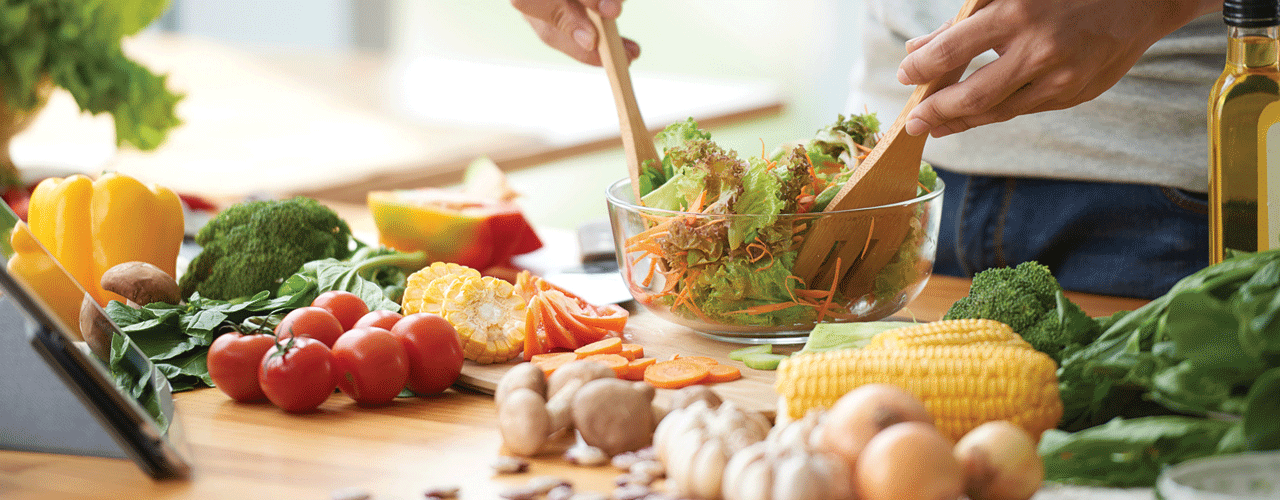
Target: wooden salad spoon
637	142
886	176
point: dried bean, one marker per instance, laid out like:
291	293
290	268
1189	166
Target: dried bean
441	492
631	492
544	484
510	465
352	493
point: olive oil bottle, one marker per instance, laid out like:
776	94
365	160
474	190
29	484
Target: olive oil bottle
1244	133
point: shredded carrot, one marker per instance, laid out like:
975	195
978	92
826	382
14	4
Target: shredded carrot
615	362
864	148
697	203
822	310
922	187
867	245
766	308
610	345
812	174
675	374
812	294
722	373
648	233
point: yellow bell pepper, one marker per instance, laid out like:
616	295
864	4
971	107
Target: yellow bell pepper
92	225
39	272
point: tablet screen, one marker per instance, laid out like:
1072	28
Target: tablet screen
42	306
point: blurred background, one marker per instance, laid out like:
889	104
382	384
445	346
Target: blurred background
332	98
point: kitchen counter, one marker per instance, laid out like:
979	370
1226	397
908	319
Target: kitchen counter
393	452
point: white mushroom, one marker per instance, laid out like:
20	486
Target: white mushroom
526	375
524	422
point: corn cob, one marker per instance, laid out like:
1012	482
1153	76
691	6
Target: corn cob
948	332
488	315
961	385
424	289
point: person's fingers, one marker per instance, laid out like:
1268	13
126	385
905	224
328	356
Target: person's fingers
949	49
919	41
563	25
572	43
1022	101
986	87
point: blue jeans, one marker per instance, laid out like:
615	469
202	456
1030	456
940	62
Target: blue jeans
1114	239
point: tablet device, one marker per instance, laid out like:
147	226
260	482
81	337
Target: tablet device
58	397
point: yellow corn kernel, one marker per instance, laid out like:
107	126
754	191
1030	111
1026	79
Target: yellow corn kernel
488	315
948	332
424	289
961	385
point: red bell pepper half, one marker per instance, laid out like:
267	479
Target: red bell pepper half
452	226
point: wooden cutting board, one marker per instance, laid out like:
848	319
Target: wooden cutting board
661	339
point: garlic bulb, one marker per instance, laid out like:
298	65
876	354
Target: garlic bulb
696	442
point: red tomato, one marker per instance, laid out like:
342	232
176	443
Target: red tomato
346	306
234	359
315	322
381	318
372	365
297	374
435	353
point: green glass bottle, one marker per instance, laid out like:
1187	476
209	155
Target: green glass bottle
1244	139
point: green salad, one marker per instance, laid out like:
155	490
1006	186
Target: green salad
731	263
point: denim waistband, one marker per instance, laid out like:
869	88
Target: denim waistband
1116	239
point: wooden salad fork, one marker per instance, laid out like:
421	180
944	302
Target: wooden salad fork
888	175
637	142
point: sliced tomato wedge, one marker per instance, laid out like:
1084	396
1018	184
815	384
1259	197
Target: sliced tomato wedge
557	334
535	333
563	306
558	319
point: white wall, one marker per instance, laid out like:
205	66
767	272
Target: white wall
326	24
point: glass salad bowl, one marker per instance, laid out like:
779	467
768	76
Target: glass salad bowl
1246	476
729	277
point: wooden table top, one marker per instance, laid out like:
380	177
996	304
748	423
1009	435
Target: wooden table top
394	452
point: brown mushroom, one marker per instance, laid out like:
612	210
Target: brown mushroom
96	328
141	283
614	415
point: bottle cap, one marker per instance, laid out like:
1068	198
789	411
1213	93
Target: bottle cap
1251	13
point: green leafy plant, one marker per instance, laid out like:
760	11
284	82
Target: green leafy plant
76	45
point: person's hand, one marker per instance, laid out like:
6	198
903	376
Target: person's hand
563	24
1053	54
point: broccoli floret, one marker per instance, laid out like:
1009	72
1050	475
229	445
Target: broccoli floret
1028	299
253	246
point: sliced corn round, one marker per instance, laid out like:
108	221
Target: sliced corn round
424	289
488	315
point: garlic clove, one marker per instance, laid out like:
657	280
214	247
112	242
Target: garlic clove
794	479
732	483
710	462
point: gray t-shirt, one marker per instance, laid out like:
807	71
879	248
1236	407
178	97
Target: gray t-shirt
1149	128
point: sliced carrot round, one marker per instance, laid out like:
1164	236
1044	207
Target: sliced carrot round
635	368
706	360
549	362
723	373
632	351
610	345
615	362
675	374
